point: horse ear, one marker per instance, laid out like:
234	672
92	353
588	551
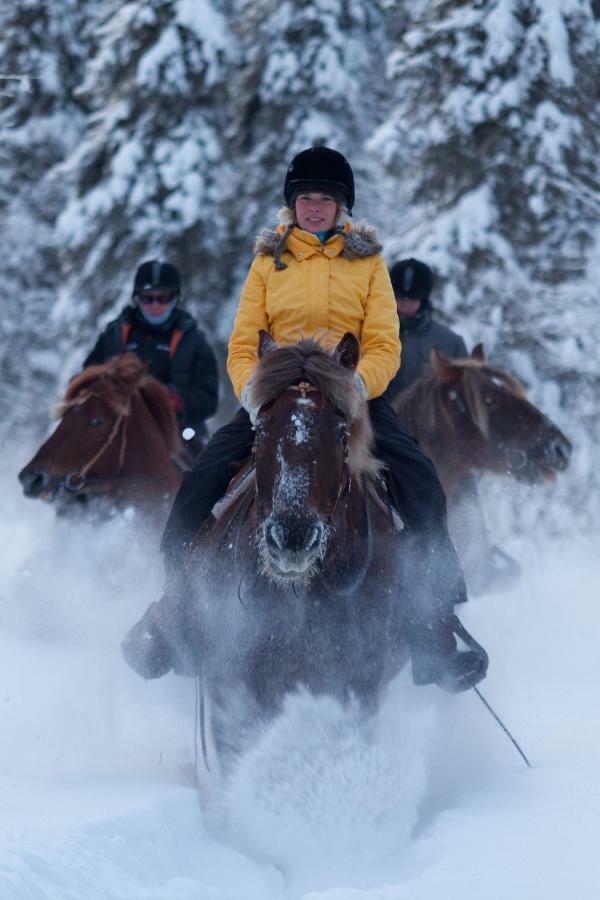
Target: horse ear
347	351
444	369
478	353
265	343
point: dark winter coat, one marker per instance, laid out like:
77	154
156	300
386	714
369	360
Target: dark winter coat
419	335
192	373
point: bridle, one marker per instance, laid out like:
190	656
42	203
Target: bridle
76	480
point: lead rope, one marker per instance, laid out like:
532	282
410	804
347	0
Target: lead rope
200	724
502	725
470	641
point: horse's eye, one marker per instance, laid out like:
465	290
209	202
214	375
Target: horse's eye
96	422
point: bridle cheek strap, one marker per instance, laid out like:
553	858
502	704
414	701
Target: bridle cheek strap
114	431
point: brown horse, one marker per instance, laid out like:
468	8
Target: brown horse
471	417
117	444
297	575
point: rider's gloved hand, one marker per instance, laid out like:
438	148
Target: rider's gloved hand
246	401
176	401
360	384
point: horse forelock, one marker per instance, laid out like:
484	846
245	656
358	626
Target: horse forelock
497	375
308	361
112	381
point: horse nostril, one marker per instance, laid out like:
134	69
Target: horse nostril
34	481
275	535
314	538
560	454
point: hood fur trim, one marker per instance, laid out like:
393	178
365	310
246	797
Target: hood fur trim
359	241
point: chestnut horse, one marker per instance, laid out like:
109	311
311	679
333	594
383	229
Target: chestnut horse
117	444
471	417
297	575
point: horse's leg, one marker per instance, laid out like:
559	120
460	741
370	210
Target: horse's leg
486	567
166	637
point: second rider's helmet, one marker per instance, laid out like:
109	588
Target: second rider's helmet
411	279
154	274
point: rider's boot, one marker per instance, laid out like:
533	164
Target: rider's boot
162	638
145	647
436	658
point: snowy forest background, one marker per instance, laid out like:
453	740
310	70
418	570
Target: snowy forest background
134	128
163	127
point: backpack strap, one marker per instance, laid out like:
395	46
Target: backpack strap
174	342
125	330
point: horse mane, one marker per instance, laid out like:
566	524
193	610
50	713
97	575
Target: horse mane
115	382
424	399
308	361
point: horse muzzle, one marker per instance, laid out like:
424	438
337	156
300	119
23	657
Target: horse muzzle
542	463
293	547
35	482
557	454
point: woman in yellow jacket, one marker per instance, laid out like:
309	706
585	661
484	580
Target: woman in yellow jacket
317	275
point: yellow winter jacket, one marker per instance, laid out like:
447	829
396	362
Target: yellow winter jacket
322	291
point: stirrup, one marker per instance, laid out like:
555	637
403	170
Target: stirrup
454	672
460	631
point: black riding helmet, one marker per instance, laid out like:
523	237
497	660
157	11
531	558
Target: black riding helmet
411	279
320	169
156	274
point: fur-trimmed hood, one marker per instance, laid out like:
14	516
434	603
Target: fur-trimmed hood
359	240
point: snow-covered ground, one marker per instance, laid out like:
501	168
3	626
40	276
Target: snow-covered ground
97	796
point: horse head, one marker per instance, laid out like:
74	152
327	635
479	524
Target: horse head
493	423
312	431
111	416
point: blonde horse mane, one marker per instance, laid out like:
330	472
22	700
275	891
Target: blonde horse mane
426	395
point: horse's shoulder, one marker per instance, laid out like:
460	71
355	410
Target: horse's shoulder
240	489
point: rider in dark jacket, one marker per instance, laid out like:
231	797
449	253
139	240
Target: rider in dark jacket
419	331
489	567
168	339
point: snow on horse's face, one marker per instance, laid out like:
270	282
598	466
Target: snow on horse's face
301	453
299	474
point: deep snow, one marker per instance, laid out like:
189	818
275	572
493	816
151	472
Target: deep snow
97	796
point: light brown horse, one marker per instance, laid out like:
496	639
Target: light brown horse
117	444
471	417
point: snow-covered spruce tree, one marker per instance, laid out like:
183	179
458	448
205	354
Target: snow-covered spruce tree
491	155
41	58
149	177
309	77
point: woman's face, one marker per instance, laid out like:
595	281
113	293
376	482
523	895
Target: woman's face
316	212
